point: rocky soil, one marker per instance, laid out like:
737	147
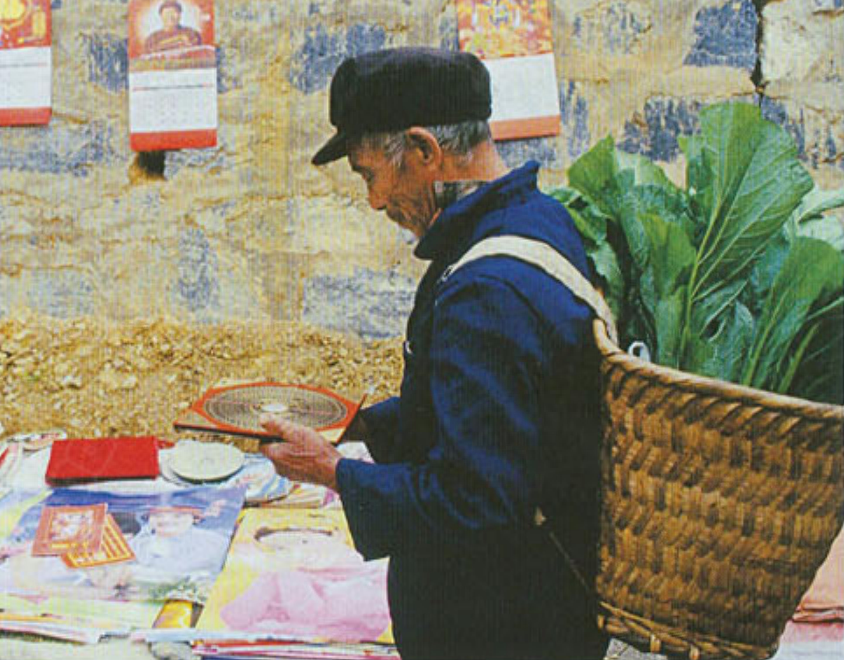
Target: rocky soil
93	377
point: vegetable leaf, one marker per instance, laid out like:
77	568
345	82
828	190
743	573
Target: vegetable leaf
748	181
812	275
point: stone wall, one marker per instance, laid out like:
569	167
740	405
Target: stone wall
250	230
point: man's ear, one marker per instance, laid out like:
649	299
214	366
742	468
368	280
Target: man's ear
426	146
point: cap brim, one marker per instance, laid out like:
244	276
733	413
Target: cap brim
335	148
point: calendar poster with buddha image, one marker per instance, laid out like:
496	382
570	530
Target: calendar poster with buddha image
172	74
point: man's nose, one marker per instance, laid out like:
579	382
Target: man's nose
377	201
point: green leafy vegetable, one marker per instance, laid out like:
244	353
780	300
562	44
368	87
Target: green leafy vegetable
740	276
803	291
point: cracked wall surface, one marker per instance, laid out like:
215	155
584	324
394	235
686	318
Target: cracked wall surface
250	230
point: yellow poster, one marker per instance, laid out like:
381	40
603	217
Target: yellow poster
504	28
295	575
513	38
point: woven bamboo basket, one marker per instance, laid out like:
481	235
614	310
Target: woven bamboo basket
719	503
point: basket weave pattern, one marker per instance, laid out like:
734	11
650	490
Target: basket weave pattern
719	503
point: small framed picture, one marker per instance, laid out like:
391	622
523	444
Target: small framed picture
69	528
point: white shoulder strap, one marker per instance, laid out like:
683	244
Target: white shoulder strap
543	256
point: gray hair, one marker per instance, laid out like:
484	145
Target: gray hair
458	140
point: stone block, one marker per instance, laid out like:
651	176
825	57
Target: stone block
240	297
108	60
60	148
617	28
803	42
226	75
818	135
134	278
654	132
207	161
61	293
574	115
517	152
9	290
249	36
196	287
601	37
725	35
371	304
344	230
281	275
315	61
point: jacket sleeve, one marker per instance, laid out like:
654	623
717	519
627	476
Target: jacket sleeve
381	421
487	355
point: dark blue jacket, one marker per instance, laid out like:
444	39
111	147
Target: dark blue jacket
497	415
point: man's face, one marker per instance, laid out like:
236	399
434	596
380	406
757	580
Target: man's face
170	18
404	192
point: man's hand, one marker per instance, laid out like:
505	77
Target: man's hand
304	455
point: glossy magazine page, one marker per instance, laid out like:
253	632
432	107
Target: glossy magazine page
294	575
177	544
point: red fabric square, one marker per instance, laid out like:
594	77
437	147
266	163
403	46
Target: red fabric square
103	458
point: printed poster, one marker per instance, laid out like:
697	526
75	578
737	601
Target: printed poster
25	62
175	545
513	39
113	549
295	575
172	74
62	529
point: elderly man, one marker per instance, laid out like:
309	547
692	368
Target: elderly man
496	418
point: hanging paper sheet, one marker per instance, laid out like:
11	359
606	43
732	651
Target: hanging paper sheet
172	74
513	39
25	62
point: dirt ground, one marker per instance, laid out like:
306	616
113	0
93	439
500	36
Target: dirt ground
93	377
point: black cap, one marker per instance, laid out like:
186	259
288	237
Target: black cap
394	89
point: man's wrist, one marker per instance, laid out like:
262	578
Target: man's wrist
331	472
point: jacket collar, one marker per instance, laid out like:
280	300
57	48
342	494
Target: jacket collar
458	222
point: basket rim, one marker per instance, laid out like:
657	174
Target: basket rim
712	386
664	638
